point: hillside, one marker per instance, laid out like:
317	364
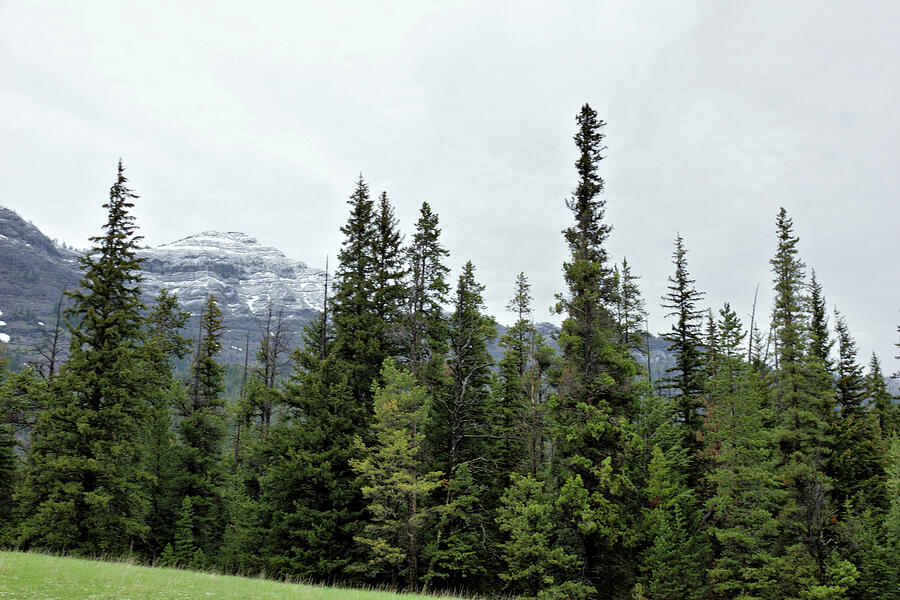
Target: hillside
26	576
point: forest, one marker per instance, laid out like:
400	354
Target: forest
390	449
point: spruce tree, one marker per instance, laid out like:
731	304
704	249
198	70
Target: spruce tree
354	312
85	485
389	289
686	378
165	344
820	342
887	411
511	409
631	313
596	400
428	292
459	426
745	494
857	463
802	395
397	482
201	480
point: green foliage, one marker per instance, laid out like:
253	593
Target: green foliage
85	483
396	476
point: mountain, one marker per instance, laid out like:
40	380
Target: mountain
33	272
246	277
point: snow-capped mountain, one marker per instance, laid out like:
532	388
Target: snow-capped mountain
244	275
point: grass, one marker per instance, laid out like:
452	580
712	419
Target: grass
27	576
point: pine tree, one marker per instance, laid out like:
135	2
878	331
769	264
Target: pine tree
685	338
631	313
511	409
165	344
596	400
459	432
8	462
428	293
397	482
85	485
820	341
803	398
389	273
745	494
887	411
200	484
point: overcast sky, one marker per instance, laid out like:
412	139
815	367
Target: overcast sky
258	117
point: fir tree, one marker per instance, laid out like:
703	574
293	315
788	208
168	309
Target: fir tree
511	409
164	345
820	342
397	482
201	480
882	403
596	401
804	400
685	338
427	295
389	290
745	494
631	313
85	487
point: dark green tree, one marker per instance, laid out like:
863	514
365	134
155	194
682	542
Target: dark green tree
86	480
428	293
685	338
165	344
200	484
631	313
882	402
803	398
820	342
389	275
592	415
511	407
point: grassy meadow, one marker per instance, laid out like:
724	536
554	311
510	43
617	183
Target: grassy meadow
25	576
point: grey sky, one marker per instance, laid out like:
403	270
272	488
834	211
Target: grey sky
259	117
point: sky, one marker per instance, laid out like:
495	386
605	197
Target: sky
259	117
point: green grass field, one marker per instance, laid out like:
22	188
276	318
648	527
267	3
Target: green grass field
25	576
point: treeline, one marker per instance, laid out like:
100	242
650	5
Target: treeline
395	452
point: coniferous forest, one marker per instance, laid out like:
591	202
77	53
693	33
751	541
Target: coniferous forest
389	448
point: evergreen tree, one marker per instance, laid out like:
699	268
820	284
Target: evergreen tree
745	494
591	417
355	315
806	407
389	290
85	484
460	417
201	480
397	482
428	293
887	411
820	342
511	408
459	425
310	499
685	339
534	564
670	563
165	344
857	463
8	461
631	313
